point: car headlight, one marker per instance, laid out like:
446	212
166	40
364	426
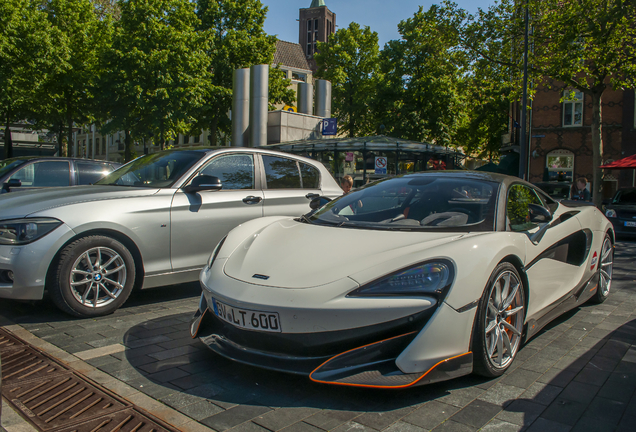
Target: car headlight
610	213
429	278
215	252
24	231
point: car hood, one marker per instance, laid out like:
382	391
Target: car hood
17	205
292	254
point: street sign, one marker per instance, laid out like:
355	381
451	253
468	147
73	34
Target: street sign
330	126
349	157
380	165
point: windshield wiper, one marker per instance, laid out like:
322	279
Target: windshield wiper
304	218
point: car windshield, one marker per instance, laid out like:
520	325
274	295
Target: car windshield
9	164
627	196
157	170
415	202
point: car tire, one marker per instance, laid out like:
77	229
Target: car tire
605	270
93	276
498	329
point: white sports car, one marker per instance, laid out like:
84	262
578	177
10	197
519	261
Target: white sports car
407	281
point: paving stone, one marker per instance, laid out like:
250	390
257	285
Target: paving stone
200	410
167	375
179	399
601	415
249	427
564	411
603	363
477	413
521	412
142	342
541	393
538	364
496	425
382	419
453	426
462	397
501	394
401	426
234	416
301	427
331	419
592	375
579	392
352	426
521	378
572	363
283	417
431	414
558	377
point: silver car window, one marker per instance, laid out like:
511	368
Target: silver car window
281	173
236	171
44	174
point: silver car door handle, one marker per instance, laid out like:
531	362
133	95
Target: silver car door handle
252	199
312	195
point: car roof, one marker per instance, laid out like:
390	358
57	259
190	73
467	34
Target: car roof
59	158
474	175
225	149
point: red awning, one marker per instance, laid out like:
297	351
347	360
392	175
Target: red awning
626	163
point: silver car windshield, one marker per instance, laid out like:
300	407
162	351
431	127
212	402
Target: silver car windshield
415	203
157	170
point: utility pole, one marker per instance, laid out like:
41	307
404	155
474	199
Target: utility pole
523	140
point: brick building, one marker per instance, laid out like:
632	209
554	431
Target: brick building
560	135
316	24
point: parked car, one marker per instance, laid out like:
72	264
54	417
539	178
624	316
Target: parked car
621	211
32	172
557	190
150	223
444	273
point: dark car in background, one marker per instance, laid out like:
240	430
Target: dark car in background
34	172
556	190
621	211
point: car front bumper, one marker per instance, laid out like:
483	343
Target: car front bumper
415	346
29	265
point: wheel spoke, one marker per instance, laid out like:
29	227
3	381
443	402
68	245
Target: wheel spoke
500	346
505	290
606	253
497	295
607	264
88	290
87	258
510	298
115	270
82	282
605	274
512	312
492	310
491	326
506	341
110	261
96	297
511	328
98	258
493	343
81	272
117	284
110	294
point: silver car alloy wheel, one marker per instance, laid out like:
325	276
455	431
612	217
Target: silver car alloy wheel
504	319
607	263
98	277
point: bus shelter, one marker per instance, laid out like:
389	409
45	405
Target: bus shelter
373	157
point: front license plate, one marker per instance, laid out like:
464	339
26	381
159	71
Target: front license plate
630	224
247	319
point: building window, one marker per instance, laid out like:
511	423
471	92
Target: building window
310	37
573	109
196	139
99	150
186	139
560	165
296	76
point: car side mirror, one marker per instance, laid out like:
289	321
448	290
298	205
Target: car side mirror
318	202
539	214
203	183
11	184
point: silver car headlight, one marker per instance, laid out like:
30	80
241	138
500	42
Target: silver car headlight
610	213
429	278
24	231
215	252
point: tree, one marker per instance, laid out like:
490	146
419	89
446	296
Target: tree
588	45
156	73
27	55
422	77
349	59
235	36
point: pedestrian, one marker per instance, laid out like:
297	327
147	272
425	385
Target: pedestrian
579	190
346	184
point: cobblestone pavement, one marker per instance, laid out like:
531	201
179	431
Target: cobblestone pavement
578	374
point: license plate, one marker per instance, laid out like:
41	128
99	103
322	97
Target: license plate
630	224
247	319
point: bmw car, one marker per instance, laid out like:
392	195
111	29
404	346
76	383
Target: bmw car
150	223
407	281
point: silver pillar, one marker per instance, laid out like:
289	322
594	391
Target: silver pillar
323	98
259	104
305	98
240	107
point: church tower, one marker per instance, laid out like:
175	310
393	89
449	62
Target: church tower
316	24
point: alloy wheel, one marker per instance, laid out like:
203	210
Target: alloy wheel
504	320
98	277
606	265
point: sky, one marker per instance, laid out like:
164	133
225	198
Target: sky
382	16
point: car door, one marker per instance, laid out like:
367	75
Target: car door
553	260
200	220
290	185
42	174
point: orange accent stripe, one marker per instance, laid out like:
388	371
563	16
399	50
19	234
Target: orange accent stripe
376	386
595	286
200	321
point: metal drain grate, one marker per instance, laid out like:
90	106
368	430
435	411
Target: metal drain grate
54	398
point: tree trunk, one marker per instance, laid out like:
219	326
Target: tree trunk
597	147
213	132
65	150
162	136
61	144
128	150
8	142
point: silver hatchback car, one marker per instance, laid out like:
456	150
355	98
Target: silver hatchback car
150	223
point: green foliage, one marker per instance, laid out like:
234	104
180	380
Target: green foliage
235	39
350	61
27	55
155	73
